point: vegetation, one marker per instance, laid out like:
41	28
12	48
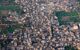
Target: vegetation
52	29
73	16
70	47
9	7
7	0
78	0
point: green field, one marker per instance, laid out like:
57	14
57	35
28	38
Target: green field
73	17
7	0
9	7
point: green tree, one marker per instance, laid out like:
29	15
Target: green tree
70	47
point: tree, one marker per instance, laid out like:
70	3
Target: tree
70	47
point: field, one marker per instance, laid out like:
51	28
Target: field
70	17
